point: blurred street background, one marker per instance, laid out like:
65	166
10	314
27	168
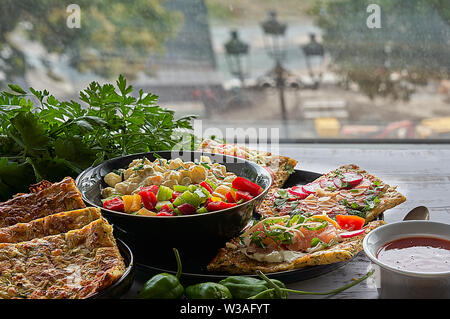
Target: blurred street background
315	69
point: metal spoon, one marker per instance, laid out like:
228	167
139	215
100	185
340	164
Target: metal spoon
418	213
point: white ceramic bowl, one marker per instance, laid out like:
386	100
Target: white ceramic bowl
394	283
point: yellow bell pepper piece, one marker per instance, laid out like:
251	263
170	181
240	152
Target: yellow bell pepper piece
145	212
221	191
216	199
328	219
132	203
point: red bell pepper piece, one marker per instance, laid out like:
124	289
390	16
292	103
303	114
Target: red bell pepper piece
230	197
164	214
243	195
148	199
165	211
175	194
243	184
152	188
209	200
115	204
187	209
214	206
207	186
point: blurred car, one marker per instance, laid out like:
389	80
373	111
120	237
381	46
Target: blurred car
434	127
327	127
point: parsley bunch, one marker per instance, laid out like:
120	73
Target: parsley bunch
45	138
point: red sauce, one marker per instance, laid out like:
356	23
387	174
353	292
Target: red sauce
419	254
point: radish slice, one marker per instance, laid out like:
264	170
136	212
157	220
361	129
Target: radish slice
352	233
353	179
327	184
310	188
298	191
338	182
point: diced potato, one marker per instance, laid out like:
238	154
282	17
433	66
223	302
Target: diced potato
169	183
107	192
186	181
174	164
154	180
205	159
198	174
122	188
127	173
112	179
175	176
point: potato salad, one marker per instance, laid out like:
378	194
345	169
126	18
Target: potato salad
172	187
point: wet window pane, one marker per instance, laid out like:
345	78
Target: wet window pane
342	69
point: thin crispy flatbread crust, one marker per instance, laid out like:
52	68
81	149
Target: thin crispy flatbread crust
232	260
390	198
282	174
75	264
276	164
50	225
43	200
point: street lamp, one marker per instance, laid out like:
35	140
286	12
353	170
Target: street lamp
236	53
274	32
274	37
314	56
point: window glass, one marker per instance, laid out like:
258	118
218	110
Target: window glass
331	69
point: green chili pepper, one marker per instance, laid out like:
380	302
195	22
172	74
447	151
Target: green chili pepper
164	285
208	290
242	287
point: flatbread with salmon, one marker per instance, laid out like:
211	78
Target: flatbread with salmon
280	167
289	242
347	190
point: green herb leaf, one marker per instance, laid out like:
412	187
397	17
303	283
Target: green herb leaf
60	138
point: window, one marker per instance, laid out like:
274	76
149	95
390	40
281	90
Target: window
343	69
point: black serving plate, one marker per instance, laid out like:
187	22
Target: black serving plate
121	286
194	264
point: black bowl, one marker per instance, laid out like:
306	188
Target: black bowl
193	232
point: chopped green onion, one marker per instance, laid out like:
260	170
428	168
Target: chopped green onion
323	224
315	241
205	165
